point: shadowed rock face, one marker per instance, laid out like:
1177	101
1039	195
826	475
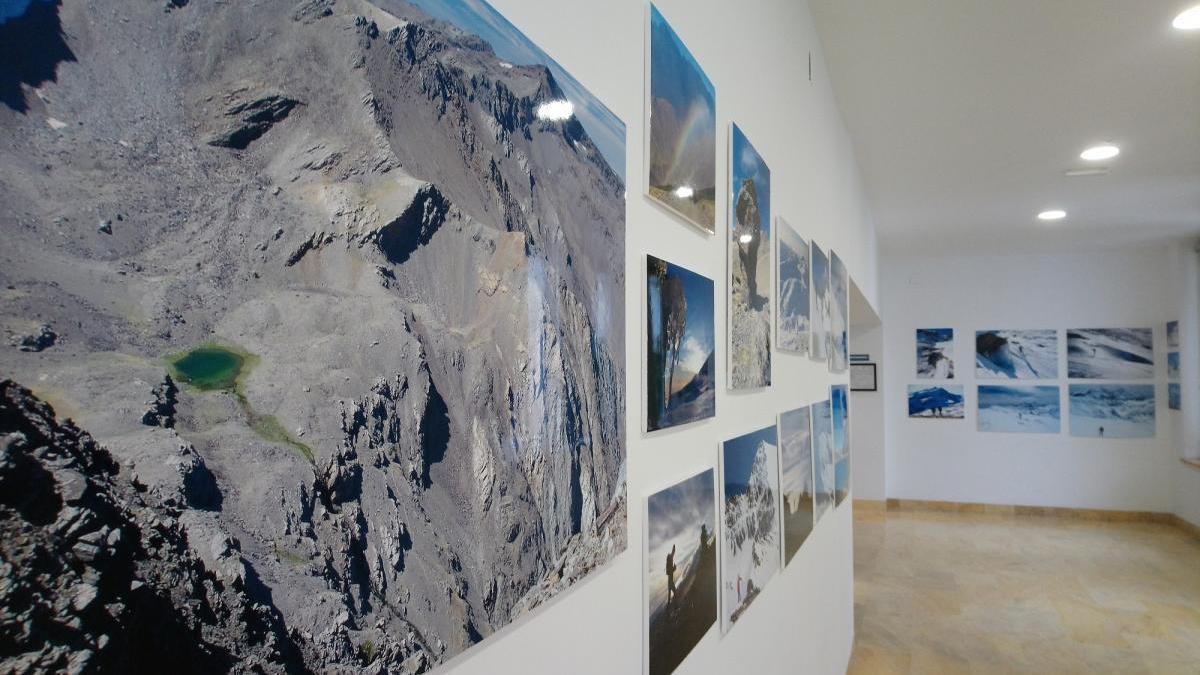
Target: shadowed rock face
429	280
99	576
32	45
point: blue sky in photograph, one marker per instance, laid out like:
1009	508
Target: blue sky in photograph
820	269
698	340
739	458
683	506
745	163
931	336
477	17
698	337
14	8
677	78
1004	396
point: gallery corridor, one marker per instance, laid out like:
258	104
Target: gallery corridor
981	593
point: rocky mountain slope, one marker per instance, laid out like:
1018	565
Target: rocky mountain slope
424	279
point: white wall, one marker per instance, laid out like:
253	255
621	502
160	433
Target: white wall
869	470
756	54
1185	284
948	460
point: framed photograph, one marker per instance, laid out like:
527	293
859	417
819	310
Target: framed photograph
862	377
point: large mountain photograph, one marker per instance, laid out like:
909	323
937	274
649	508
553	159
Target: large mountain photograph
331	292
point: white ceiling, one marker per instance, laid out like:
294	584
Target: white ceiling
965	113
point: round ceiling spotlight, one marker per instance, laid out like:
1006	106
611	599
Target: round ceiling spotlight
1099	153
1052	215
1188	19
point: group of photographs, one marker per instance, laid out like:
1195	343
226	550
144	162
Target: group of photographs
1123	407
712	546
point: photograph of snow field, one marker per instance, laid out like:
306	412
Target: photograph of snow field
1016	354
822	301
936	401
794	306
824	472
1110	353
839	400
1112	410
935	353
1019	408
839	316
796	479
750	553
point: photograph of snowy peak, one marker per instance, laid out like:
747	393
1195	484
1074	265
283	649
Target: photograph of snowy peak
334	293
750	553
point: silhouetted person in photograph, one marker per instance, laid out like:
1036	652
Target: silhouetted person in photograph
671	576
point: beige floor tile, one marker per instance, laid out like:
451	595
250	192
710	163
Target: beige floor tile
993	592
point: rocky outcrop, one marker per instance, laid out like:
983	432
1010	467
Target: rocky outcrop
161	412
43	339
250	111
97	578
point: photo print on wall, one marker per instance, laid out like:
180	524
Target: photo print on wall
1173	396
1031	409
681	156
429	354
839	401
935	353
1172	333
680	346
796	481
751	553
1173	365
824	471
795	305
839	318
1112	410
943	401
1016	354
1110	353
822	301
749	258
681	570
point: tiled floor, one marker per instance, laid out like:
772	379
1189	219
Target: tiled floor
967	593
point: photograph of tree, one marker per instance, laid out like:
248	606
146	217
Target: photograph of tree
749	265
750	553
342	298
681	570
682	118
680	346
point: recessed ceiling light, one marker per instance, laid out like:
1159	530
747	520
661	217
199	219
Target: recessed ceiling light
1098	153
1052	214
1188	19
